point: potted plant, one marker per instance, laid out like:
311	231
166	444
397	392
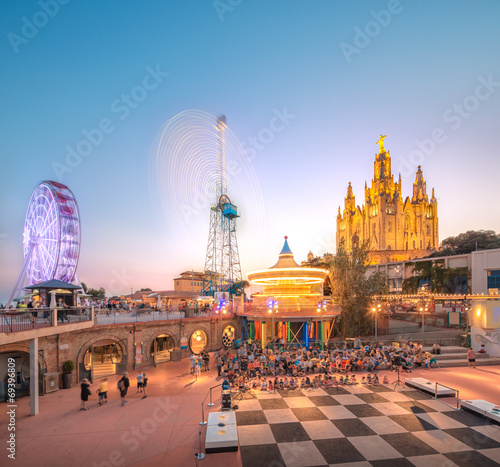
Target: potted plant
67	368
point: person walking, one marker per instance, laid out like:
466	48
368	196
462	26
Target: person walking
144	385
123	385
102	391
471	356
85	393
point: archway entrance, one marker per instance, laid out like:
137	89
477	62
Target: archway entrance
198	341
102	358
22	374
161	348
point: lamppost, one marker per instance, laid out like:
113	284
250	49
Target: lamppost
221	309
376	324
423	324
321	305
273	309
397	270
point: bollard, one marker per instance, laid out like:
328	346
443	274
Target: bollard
199	455
203	421
211	404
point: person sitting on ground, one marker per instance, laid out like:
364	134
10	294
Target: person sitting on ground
436	349
385	380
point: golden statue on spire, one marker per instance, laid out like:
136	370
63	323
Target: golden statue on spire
380	142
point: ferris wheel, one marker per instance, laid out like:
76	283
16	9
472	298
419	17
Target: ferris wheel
51	236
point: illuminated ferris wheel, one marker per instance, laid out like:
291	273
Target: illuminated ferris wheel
51	236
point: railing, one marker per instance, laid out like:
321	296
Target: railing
15	319
105	316
448	387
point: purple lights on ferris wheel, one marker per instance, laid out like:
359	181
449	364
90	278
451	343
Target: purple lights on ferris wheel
51	235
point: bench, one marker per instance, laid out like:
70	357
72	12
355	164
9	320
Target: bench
482	407
429	387
222	432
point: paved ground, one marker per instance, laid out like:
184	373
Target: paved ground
163	430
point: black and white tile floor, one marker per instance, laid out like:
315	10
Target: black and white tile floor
362	426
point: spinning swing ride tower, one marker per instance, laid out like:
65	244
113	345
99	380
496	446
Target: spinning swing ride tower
222	272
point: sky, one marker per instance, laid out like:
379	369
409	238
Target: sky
307	88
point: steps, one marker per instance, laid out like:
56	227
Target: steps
457	356
104	369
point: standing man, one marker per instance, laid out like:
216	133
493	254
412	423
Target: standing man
219	364
145	385
123	385
139	383
471	356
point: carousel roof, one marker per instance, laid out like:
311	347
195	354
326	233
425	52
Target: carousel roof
53	284
287	268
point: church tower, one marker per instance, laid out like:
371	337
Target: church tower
396	230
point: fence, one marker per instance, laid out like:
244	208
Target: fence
105	316
15	320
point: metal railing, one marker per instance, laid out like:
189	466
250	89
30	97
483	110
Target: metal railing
457	392
26	319
105	316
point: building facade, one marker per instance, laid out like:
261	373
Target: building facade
396	229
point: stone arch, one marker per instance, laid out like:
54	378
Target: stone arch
201	328
159	333
83	350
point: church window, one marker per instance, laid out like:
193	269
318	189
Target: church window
389	226
407	220
420	244
413	244
389	247
428	230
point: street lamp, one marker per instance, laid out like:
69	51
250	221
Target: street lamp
423	324
273	309
321	305
376	324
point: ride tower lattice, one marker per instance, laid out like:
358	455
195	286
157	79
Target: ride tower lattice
222	272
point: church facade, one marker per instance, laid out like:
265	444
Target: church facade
396	229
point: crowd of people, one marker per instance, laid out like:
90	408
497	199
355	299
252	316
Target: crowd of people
250	366
123	385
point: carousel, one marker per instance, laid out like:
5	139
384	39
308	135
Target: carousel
291	306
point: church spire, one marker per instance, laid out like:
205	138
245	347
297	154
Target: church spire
349	199
419	187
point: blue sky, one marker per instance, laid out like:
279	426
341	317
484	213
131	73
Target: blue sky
345	71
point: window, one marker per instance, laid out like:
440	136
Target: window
407	220
413	244
494	279
389	226
177	282
389	247
198	341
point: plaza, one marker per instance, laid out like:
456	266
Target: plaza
373	425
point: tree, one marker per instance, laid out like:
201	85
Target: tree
353	290
94	293
147	289
469	241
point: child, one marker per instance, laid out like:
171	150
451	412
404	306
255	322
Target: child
363	380
103	392
375	379
385	380
369	379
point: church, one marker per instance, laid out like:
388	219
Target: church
396	230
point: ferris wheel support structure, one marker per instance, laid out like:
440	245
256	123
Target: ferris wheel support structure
51	237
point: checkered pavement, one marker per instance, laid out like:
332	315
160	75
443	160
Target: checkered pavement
362	426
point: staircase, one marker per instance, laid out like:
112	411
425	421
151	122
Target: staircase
457	356
104	369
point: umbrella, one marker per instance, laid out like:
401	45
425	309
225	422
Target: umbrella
52	300
61	291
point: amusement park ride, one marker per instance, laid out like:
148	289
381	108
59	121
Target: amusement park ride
51	237
222	273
